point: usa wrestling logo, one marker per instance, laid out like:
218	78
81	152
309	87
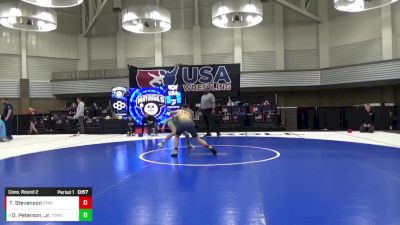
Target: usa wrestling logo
146	78
192	78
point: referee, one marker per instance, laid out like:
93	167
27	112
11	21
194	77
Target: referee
207	106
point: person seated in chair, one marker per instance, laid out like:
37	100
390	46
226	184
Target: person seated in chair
151	124
368	120
131	126
32	121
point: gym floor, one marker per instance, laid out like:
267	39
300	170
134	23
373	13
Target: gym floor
279	178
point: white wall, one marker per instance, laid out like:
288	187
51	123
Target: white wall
10	62
205	16
189	18
137	45
68	23
396	18
139	49
353	38
396	28
217	46
106	24
259	38
178	42
46	53
103	52
301	45
301	36
348	32
214	40
52	44
177	47
9	41
103	47
355	27
258	46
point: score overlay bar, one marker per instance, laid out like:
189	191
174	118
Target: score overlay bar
48	204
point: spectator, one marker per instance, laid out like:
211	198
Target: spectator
395	120
368	120
253	109
114	115
3	135
32	121
95	109
131	126
7	117
230	103
31	111
207	106
218	114
268	107
79	115
151	124
72	110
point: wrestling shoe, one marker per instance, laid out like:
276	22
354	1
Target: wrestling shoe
213	150
174	153
161	144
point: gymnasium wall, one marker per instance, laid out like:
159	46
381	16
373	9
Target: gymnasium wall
340	97
353	38
45	53
103	52
300	40
139	49
48	53
10	63
396	29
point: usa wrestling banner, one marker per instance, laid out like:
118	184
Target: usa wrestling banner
223	80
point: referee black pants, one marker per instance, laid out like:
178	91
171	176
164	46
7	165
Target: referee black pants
9	128
208	117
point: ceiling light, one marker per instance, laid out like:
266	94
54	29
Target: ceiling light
55	3
237	13
22	16
360	5
146	19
